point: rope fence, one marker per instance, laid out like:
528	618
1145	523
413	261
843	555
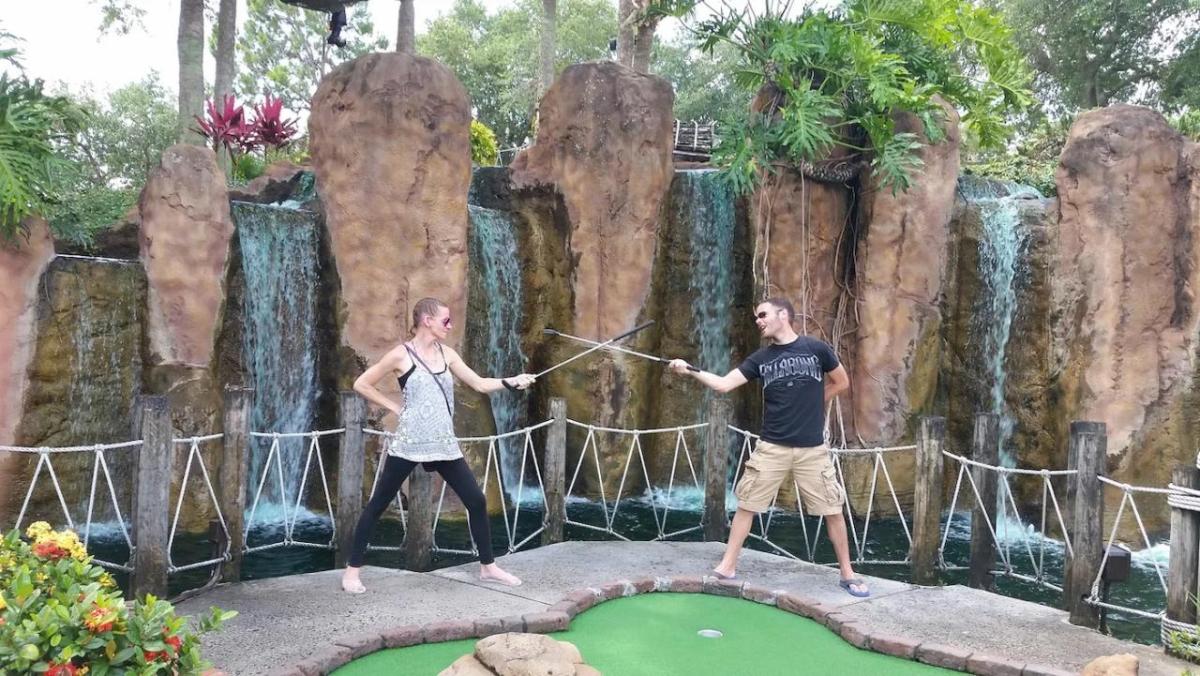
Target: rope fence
605	473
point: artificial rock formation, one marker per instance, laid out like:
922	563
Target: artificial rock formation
21	266
516	654
1128	259
902	261
185	235
604	141
391	152
604	144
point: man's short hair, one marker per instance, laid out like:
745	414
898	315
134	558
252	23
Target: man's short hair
783	304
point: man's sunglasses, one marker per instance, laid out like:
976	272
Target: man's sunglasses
764	313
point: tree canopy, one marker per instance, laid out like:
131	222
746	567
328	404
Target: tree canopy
281	50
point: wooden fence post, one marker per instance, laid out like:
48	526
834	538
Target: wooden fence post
985	448
927	500
716	469
1182	575
555	473
235	454
351	462
152	512
1089	446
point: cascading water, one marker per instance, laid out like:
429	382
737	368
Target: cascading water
1002	237
706	204
494	250
279	337
103	299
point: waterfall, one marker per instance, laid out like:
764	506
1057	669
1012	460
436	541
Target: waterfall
706	204
279	335
494	251
101	301
1001	240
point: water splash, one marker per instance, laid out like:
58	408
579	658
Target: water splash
1002	238
279	338
494	250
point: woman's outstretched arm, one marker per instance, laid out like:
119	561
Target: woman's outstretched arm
478	383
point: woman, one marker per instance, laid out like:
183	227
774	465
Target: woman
425	433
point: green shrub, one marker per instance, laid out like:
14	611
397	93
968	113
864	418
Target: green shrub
62	615
484	150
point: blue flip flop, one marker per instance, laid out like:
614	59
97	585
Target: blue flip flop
848	586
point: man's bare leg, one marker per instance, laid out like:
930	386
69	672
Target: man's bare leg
835	525
738	530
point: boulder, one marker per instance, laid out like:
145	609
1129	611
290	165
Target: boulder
1112	665
22	263
515	654
391	153
902	263
604	142
1125	292
185	235
604	145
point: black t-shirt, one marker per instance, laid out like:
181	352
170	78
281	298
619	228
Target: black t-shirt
793	378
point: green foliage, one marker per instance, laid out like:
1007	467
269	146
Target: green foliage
484	151
60	613
496	55
31	123
109	160
282	50
1089	53
836	79
703	82
1032	162
1188	124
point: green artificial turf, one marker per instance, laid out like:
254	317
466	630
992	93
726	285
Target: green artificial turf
656	635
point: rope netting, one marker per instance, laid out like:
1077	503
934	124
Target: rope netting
100	468
517	494
1009	529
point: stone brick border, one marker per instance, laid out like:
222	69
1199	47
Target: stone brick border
558	616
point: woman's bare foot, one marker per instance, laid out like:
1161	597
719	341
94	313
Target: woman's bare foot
493	573
351	584
725	572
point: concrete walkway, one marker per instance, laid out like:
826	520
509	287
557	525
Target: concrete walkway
285	621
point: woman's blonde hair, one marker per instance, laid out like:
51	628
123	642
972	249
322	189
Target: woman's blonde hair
426	307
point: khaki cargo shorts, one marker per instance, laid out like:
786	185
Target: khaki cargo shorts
771	464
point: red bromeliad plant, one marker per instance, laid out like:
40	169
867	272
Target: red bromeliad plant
270	128
227	127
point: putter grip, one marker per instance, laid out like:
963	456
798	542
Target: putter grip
693	368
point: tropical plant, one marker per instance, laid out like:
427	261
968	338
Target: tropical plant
271	129
108	161
31	123
832	82
226	127
484	151
61	614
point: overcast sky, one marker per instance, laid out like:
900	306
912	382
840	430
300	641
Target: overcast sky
62	41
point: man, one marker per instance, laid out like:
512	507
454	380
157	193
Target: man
799	375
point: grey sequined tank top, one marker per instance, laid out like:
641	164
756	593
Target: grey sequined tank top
425	431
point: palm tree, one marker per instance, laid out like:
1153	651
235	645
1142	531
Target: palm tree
406	34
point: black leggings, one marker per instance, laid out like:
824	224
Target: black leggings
456	473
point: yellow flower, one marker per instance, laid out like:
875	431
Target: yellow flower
37	530
3	605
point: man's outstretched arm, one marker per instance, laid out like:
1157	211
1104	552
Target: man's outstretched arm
726	383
